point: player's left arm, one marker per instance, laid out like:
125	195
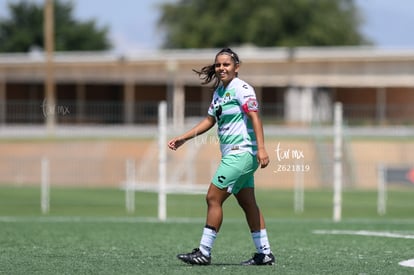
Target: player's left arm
262	156
250	106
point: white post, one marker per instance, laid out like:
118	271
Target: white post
162	160
382	191
130	186
299	188
45	186
337	171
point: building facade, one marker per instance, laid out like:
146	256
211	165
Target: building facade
294	86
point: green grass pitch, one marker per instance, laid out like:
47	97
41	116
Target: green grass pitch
89	232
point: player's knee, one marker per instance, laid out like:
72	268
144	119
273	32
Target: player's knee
211	200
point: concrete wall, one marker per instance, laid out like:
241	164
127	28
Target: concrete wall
101	163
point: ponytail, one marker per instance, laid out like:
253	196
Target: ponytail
208	73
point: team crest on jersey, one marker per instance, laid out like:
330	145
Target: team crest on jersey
227	97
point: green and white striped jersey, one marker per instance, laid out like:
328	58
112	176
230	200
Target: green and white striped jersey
229	107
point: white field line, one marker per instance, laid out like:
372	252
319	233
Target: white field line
408	263
364	233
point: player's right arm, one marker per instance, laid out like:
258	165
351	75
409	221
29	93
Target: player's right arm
199	129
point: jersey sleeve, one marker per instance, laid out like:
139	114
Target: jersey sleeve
247	98
210	111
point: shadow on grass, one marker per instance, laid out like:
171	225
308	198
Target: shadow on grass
219	264
226	264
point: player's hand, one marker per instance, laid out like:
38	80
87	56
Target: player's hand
174	143
262	158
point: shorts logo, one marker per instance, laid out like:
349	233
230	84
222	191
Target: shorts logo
221	178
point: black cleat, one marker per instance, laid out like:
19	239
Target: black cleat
260	259
195	258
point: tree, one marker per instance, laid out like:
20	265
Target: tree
23	30
264	23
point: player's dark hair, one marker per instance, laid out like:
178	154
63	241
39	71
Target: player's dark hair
208	73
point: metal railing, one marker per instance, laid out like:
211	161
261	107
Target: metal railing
115	112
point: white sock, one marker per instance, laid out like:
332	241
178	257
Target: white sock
261	241
207	241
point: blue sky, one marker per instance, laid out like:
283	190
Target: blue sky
388	23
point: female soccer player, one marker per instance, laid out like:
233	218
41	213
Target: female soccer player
234	107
